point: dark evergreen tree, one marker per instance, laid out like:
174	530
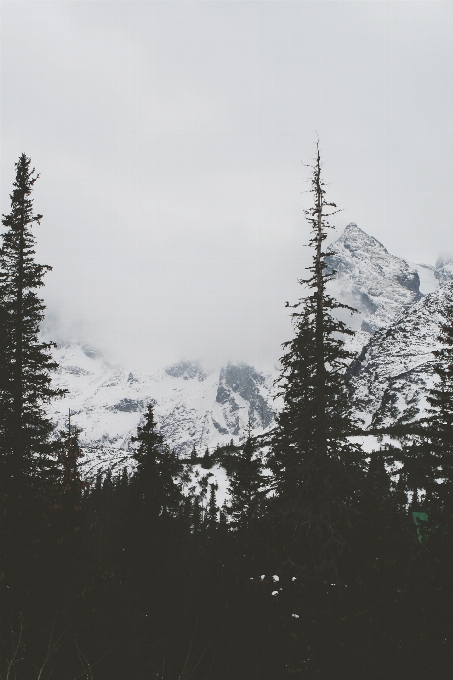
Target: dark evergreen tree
207	460
317	469
419	469
31	478
29	469
25	360
71	486
212	509
193	454
155	484
247	486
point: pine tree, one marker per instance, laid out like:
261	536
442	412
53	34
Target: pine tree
207	461
193	454
25	360
212	509
435	521
246	489
317	469
29	468
71	485
154	484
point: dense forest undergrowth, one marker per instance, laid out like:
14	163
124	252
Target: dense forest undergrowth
324	562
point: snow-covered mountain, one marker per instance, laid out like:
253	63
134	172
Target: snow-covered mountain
379	285
193	406
400	309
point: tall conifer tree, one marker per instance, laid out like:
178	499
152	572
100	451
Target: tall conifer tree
29	470
154	483
317	470
246	490
71	484
26	361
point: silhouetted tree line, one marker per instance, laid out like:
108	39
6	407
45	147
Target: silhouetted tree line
323	562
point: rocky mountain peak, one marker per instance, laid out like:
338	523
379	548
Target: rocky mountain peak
379	285
356	241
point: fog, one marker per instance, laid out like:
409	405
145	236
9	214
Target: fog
171	139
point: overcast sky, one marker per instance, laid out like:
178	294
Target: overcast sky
171	136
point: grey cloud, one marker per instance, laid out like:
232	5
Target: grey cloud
170	135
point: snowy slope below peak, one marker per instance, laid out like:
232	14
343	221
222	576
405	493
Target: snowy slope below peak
193	407
392	376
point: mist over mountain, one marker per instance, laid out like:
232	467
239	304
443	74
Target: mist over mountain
400	306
